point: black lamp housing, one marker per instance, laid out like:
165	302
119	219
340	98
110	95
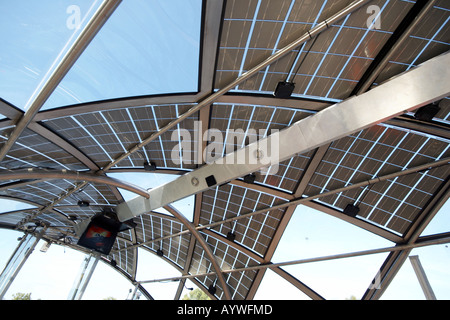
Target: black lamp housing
231	236
284	89
427	113
212	289
351	210
150	166
83	204
250	178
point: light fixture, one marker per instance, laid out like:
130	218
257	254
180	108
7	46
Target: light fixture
427	113
351	210
284	89
83	204
150	166
250	178
212	289
231	236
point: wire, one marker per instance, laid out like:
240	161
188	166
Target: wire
366	190
300	64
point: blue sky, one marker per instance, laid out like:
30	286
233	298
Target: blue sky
146	47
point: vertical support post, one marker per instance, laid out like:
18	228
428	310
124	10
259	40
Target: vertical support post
17	260
135	294
422	277
82	280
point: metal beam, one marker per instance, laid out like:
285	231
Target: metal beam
316	259
411	90
17	260
298	284
10	111
211	35
245	76
267	100
395	260
71	175
309	199
63	144
41	96
287	215
120	103
379	231
186	268
402	33
422	277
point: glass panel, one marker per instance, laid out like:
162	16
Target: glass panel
35	35
146	47
11	205
312	234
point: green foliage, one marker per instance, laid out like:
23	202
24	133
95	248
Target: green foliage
21	296
196	294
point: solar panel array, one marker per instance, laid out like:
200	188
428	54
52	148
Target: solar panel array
328	69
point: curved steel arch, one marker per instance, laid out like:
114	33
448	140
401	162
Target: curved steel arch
46	174
71	175
240	97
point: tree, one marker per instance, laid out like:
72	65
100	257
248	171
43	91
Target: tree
21	296
196	294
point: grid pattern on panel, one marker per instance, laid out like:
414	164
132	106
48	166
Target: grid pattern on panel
330	69
95	194
43	192
286	174
241	41
152	227
228	201
428	39
228	258
33	151
89	133
105	135
393	204
125	259
443	113
235	126
179	143
374	152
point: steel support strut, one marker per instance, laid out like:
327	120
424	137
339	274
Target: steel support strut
411	90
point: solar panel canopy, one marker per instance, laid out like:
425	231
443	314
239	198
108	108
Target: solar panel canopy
97	92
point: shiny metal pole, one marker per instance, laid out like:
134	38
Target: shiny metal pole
41	96
17	261
422	277
273	58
